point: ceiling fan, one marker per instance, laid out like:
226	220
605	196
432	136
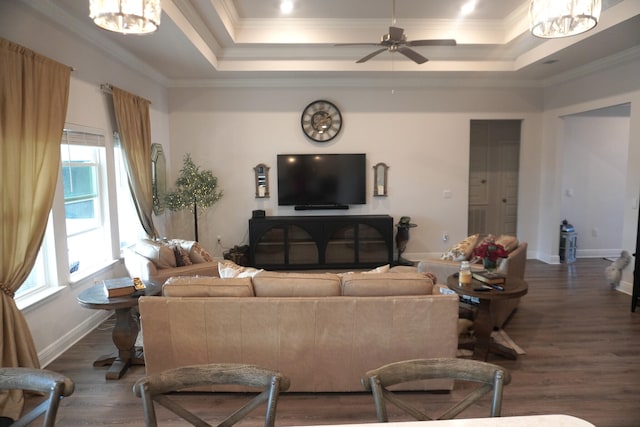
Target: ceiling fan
396	41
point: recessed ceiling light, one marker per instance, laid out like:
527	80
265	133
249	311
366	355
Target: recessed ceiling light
468	7
286	6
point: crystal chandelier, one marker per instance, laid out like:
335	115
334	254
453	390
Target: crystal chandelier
126	16
562	18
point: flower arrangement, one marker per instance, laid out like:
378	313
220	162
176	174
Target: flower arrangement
489	252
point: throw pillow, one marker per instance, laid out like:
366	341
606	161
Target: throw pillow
198	254
229	269
185	244
381	269
509	243
182	256
463	250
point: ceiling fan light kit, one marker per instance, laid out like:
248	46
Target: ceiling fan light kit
126	16
555	18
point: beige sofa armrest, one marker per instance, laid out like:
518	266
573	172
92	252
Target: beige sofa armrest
139	266
515	264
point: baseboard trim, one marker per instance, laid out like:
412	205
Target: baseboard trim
53	351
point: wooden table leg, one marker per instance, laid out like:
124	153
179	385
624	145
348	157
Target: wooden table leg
484	344
482	330
124	335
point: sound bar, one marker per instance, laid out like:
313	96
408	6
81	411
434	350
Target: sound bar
319	207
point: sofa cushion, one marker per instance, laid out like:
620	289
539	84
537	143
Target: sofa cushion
276	284
201	286
387	284
463	250
160	254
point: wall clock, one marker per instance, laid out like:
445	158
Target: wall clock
321	121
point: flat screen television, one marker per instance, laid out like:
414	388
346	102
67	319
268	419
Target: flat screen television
316	181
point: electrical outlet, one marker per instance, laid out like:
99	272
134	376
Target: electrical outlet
445	236
219	239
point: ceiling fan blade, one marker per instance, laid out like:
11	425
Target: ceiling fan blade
432	42
413	55
395	33
371	55
357	44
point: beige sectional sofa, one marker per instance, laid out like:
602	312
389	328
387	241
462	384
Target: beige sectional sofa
324	331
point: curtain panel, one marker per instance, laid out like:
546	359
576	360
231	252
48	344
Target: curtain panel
134	125
34	92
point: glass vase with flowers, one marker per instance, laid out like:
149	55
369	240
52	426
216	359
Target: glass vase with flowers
489	252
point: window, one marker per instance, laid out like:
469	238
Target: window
83	233
80	218
84	182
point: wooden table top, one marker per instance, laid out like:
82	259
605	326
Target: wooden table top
513	288
555	420
96	298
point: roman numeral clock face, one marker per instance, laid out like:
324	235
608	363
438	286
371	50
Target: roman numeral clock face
321	121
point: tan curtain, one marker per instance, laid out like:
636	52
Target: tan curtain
34	92
134	125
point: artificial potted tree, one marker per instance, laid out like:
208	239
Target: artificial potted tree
195	188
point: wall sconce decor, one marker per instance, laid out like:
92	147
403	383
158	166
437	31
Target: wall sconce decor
380	180
262	181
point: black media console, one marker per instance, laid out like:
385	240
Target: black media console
311	242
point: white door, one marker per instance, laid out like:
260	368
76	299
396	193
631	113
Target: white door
493	176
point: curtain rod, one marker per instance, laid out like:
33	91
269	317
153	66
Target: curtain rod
107	88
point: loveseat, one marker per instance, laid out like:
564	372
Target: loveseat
324	331
158	260
512	266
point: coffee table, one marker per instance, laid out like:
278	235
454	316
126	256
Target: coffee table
125	330
483	326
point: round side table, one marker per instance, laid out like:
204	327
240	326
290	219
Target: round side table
513	288
125	330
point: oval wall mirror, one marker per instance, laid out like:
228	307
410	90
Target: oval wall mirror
158	177
380	180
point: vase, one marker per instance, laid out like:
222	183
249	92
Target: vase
489	264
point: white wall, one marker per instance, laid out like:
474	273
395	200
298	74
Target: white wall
593	182
589	91
422	134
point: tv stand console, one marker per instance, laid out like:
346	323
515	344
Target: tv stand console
313	242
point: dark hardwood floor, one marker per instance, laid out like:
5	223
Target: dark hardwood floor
582	358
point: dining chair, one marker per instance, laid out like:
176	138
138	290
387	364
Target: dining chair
488	376
53	385
160	388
